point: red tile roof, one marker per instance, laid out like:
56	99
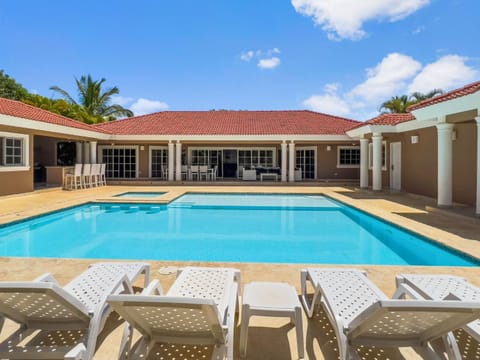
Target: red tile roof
25	111
387	119
466	90
231	123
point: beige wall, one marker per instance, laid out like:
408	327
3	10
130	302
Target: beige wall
419	162
15	182
464	163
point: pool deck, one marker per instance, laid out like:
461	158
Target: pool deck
269	338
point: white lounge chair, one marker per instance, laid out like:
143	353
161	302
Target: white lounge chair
199	309
439	287
361	314
76	312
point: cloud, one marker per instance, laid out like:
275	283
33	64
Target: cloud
247	55
267	59
344	19
388	77
121	100
395	74
329	102
145	106
418	30
271	63
448	72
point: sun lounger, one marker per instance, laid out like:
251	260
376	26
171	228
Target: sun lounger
198	310
74	314
361	314
439	287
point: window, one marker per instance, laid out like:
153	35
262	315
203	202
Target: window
255	158
210	157
158	161
384	155
121	162
13	152
348	156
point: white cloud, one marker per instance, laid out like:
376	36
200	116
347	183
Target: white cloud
450	71
329	103
145	106
121	100
344	19
418	30
271	63
247	55
396	74
267	59
388	77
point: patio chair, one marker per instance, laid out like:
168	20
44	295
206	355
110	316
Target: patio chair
73	180
203	172
64	322
361	314
440	287
194	172
87	175
102	177
184	172
95	175
199	309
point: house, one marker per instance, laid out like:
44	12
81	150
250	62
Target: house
432	151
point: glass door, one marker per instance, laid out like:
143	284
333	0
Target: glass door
305	160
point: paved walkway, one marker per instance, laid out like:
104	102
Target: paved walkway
269	338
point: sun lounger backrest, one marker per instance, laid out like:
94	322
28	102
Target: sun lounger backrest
415	321
171	319
201	283
38	303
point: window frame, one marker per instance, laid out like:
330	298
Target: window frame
25	155
315	160
150	158
347	166
130	147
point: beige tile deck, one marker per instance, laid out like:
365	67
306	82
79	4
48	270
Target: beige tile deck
268	338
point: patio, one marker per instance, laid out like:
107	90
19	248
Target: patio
269	338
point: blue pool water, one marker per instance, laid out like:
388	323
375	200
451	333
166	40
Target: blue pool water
140	194
243	228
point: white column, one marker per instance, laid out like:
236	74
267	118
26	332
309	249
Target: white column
444	180
86	153
477	119
93	152
291	162
363	163
171	160
178	161
78	152
377	161
284	161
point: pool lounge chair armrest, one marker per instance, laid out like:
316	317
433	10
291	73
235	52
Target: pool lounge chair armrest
154	288
47	277
77	353
403	290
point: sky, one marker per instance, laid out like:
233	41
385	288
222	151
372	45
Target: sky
341	57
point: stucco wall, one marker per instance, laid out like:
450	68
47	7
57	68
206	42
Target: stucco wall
464	163
16	182
419	162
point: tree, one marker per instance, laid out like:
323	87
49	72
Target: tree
400	104
418	96
10	89
94	100
396	105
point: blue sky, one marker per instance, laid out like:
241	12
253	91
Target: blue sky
343	57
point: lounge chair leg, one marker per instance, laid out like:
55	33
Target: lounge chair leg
451	347
309	307
244	330
299	330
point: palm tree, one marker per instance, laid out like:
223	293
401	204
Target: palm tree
396	105
400	104
94	100
418	96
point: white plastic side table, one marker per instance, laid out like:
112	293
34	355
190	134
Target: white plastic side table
271	299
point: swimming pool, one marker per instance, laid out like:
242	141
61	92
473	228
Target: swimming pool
219	227
140	194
